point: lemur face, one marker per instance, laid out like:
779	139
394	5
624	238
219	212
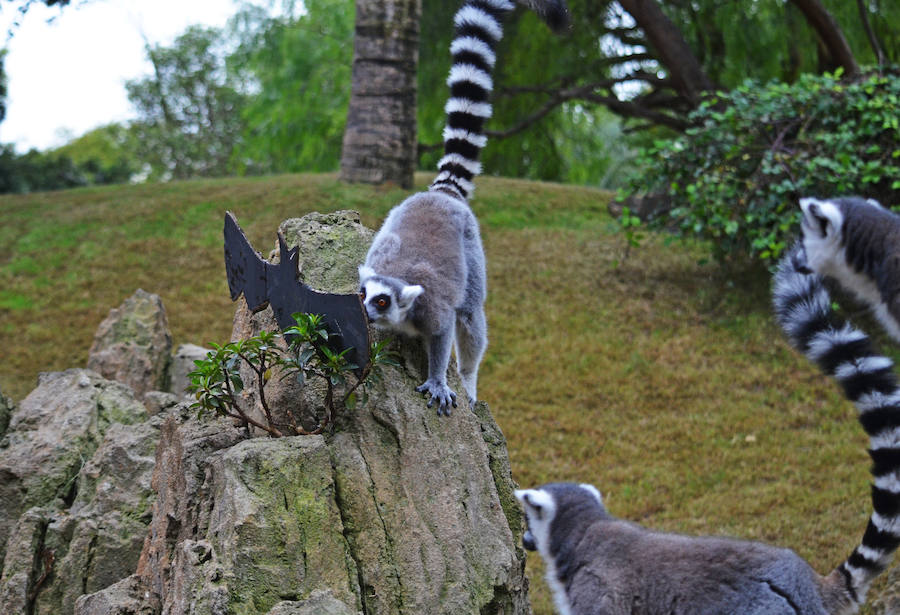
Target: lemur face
540	507
387	300
542	504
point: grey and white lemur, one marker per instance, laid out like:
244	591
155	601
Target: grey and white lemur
600	565
856	242
425	274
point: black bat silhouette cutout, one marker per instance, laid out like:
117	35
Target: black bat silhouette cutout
279	286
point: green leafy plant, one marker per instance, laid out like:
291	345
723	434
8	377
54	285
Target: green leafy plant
630	225
735	177
216	383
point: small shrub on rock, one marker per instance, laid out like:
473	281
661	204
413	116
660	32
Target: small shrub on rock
217	382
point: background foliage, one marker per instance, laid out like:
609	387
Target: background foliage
736	177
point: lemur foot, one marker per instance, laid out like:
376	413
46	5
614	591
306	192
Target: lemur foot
440	392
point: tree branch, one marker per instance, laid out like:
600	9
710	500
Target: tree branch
673	51
870	33
829	33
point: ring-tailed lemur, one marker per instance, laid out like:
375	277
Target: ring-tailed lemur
856	242
424	274
600	565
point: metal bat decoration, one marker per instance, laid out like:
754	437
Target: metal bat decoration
279	286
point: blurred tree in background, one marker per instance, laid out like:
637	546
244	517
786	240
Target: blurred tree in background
189	110
295	70
648	63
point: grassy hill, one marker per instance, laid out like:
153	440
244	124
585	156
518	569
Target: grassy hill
662	381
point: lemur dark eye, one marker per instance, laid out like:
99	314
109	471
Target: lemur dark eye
381	302
362	293
537	508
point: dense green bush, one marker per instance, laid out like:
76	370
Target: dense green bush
735	177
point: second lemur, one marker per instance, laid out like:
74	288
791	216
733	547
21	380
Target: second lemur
856	242
600	565
424	274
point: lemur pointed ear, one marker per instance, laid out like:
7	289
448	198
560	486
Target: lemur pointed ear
825	215
409	294
593	491
365	273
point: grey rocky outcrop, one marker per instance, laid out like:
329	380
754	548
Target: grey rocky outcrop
6	409
394	511
133	344
183	364
243	523
75	498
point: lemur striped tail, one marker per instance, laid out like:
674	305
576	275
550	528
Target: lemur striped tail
803	309
478	30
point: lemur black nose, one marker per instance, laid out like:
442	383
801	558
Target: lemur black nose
528	541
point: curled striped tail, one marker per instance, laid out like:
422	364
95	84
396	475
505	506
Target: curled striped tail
478	30
803	309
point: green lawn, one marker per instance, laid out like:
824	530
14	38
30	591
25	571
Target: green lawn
662	381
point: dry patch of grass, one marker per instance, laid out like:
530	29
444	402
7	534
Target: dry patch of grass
663	382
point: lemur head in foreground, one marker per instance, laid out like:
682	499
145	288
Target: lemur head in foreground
541	505
823	222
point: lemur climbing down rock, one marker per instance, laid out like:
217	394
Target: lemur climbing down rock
424	275
597	564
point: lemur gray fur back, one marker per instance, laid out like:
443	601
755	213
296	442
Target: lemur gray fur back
600	565
856	242
425	272
597	564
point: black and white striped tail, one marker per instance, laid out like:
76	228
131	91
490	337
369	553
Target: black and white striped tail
803	309
478	30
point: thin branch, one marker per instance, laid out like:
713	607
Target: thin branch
240	415
634	110
359	381
829	33
870	33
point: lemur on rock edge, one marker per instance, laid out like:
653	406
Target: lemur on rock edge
856	242
597	564
424	274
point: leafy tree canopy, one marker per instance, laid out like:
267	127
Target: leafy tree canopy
297	68
189	108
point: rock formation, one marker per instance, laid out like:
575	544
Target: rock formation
133	344
395	510
183	364
6	409
75	497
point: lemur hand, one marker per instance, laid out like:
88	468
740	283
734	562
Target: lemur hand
440	392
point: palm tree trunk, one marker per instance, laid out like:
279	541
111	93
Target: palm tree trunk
380	137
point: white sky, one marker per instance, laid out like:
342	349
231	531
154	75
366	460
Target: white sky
68	76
